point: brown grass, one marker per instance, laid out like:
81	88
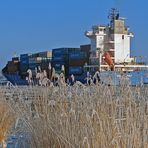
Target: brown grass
7	119
85	116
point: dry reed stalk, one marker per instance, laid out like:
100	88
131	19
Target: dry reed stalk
79	116
7	119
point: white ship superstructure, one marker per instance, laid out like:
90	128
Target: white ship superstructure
97	37
113	39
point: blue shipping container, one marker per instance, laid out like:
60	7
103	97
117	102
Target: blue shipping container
24	65
24	68
58	58
57	65
24	58
24	55
64	51
75	70
77	56
33	65
59	51
24	62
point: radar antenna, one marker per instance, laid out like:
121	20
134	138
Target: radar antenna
113	15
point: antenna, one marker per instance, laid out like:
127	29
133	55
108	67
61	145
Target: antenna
113	14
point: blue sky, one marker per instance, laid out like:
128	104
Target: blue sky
38	25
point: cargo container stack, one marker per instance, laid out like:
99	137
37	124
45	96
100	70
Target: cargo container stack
61	57
77	60
46	58
41	59
86	49
34	62
12	72
13	66
24	64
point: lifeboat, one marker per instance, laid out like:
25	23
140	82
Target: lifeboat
109	60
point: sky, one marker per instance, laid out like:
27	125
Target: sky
28	26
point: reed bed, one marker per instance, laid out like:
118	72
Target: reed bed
79	116
7	119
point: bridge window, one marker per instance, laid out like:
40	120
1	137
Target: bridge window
122	37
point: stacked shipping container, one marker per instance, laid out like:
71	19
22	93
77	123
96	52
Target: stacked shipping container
24	64
76	62
32	61
86	49
60	56
73	60
41	59
12	67
78	59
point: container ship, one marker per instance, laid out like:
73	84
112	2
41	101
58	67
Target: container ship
109	52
